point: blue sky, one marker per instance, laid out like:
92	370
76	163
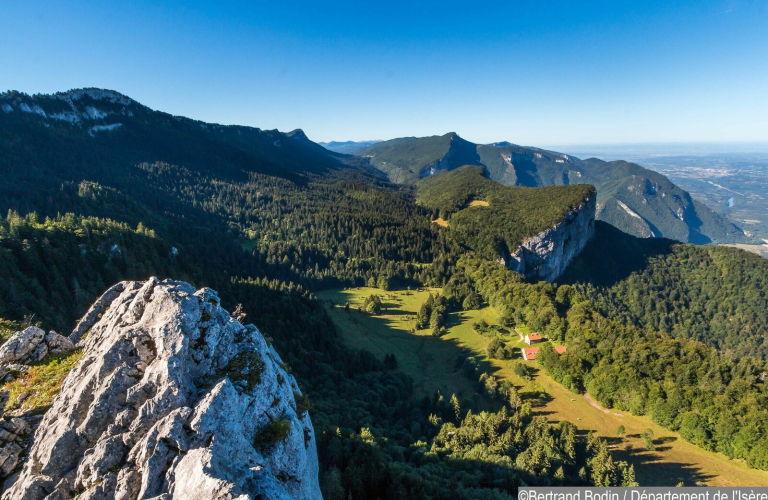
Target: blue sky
531	72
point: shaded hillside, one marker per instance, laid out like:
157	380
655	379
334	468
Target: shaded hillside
409	159
716	295
94	134
630	197
502	216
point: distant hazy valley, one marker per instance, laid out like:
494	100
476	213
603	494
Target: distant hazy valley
735	185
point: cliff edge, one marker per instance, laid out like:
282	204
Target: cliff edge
546	255
173	398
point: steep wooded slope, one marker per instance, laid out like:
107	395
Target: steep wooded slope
716	295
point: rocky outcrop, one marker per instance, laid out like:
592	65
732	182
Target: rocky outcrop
13	443
546	255
173	398
21	350
29	346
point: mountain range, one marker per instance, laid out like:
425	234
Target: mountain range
632	198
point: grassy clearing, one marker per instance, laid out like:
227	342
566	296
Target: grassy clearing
440	222
478	203
431	362
36	388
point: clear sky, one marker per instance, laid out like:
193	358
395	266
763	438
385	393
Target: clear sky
531	72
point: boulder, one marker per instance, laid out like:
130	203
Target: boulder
173	398
30	346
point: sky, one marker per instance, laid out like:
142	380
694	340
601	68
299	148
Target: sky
530	72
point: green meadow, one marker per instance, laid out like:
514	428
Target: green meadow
434	364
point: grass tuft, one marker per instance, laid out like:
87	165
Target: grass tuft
42	382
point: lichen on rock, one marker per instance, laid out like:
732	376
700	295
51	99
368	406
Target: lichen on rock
172	398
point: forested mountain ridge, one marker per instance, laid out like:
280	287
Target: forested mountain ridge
632	198
99	153
97	127
535	231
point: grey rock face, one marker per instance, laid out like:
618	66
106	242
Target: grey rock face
546	255
173	398
23	348
31	345
13	431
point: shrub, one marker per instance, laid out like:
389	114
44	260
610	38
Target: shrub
245	366
275	431
303	405
521	370
372	304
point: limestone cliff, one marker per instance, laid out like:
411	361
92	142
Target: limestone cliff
173	398
546	255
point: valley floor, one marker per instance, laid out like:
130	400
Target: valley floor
434	364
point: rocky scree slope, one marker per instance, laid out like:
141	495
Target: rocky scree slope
173	398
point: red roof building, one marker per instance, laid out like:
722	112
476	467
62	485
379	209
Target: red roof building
560	349
530	353
532	338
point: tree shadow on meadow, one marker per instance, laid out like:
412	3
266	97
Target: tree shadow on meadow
443	363
652	470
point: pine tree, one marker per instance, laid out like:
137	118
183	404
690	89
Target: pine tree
454	402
